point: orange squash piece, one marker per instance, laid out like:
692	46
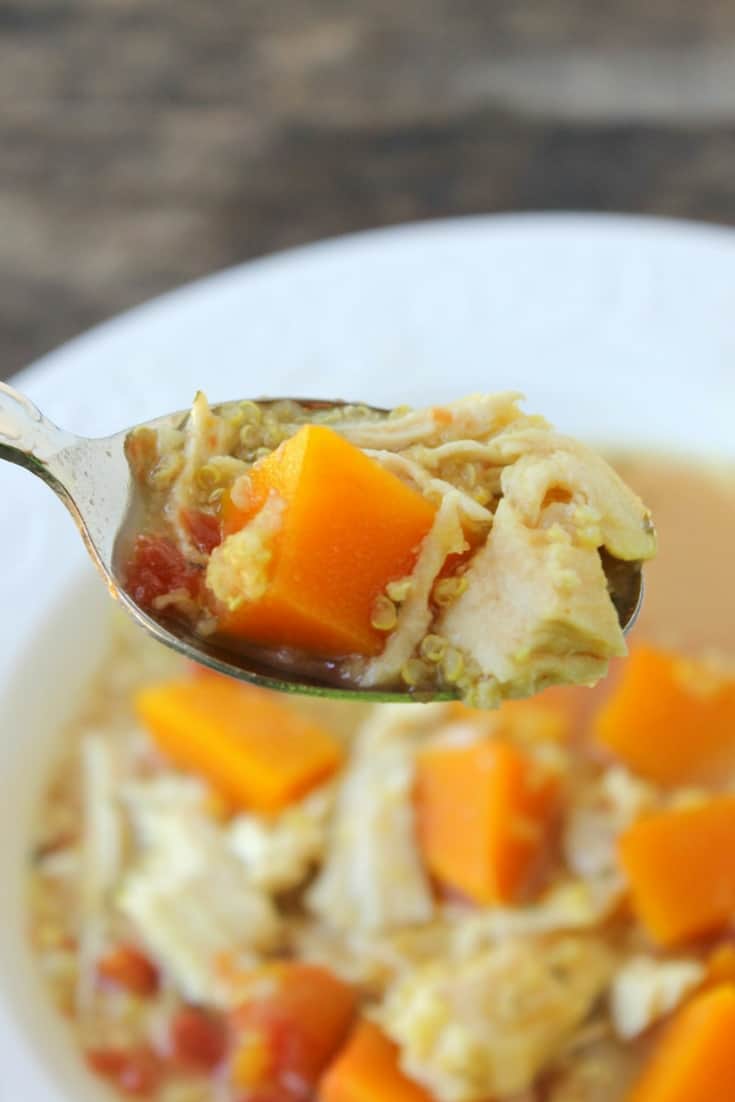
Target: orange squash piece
695	1059
292	1027
721	965
367	1070
483	812
258	753
348	528
670	720
681	868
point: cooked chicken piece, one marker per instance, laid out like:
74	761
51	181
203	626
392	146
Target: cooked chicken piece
148	802
475	417
102	852
411	471
373	878
644	990
598	508
156	456
371	960
238	569
104	829
536	611
486	1025
414	619
191	903
571	905
599	812
279	853
207	436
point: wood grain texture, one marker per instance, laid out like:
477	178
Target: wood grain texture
146	142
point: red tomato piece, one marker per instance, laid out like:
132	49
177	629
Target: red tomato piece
198	1039
126	967
205	530
135	1072
302	1019
293	1056
156	567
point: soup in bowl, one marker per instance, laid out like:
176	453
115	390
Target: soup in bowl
412	902
235	896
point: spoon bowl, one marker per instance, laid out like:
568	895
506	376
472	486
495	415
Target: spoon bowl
92	478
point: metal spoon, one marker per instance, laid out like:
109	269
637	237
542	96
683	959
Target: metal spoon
93	479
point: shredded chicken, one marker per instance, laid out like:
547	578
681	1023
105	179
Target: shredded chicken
542	462
373	877
445	538
414	473
568	906
278	854
238	569
156	456
372	960
102	852
103	822
552	620
645	990
191	903
207	435
475	417
600	811
148	802
485	1025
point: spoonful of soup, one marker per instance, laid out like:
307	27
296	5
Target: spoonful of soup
466	550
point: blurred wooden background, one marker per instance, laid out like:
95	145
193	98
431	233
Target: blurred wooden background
146	142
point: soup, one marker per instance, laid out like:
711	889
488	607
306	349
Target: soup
412	902
690	597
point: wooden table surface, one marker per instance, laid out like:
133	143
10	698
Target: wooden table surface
147	142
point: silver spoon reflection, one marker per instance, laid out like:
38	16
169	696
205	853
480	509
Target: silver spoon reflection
93	479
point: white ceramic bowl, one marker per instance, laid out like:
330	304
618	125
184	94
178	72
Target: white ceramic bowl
618	329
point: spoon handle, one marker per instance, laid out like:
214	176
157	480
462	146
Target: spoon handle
26	436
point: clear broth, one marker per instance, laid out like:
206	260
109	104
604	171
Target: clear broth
690	588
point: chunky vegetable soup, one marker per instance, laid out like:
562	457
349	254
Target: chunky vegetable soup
240	898
457	548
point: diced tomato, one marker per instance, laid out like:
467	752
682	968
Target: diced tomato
125	966
205	530
197	1038
301	1017
283	1063
156	567
294	1058
133	1071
